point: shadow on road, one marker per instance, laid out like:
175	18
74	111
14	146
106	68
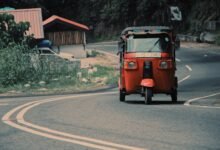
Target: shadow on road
155	102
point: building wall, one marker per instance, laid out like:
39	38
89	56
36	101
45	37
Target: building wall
74	50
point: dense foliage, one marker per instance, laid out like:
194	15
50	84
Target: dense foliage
12	32
21	64
15	61
108	17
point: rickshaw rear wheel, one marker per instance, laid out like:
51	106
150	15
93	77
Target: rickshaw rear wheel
122	95
148	95
176	82
174	95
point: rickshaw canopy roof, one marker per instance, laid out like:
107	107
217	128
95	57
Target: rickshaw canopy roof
146	29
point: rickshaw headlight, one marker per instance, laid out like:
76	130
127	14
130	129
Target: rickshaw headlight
131	65
163	65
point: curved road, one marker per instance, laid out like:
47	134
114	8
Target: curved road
100	121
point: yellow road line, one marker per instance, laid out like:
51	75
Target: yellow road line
75	138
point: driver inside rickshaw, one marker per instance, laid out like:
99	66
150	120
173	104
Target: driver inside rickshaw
149	43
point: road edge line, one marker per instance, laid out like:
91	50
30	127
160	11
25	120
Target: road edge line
185	78
188	102
188	67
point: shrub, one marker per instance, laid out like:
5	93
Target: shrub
15	54
50	67
218	40
20	64
15	65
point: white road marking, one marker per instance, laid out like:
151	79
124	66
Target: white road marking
188	67
98	144
207	107
187	103
187	77
178	60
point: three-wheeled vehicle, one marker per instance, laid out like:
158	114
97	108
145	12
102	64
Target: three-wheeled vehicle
147	62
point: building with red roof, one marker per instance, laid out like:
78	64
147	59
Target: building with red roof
62	31
69	36
33	16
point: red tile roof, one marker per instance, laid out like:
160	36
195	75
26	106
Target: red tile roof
55	18
34	16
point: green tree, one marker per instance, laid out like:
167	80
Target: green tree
12	32
15	58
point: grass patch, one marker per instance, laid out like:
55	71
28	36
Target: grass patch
109	72
68	83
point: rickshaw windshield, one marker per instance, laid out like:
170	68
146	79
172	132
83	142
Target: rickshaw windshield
150	43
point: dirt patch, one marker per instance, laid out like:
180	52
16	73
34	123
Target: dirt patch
103	59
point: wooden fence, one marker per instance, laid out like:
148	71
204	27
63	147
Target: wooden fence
66	37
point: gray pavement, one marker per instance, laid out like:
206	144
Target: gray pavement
160	126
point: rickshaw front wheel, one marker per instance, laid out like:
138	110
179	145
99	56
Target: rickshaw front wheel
122	96
148	95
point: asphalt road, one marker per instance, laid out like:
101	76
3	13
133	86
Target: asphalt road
100	121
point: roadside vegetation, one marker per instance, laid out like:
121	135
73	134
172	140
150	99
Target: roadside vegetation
24	70
15	53
66	84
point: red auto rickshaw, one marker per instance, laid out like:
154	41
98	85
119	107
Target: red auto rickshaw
147	62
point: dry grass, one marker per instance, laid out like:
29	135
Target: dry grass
103	60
